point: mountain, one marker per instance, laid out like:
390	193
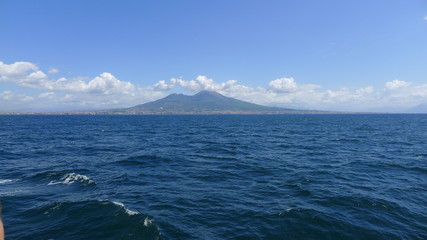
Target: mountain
204	102
421	108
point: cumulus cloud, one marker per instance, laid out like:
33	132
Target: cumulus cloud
10	96
105	83
396	84
162	85
420	91
201	83
365	90
37	75
8	72
28	75
283	85
17	68
102	91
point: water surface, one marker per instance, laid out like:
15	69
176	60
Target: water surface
214	177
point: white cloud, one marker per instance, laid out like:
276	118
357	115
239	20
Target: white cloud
162	85
420	91
6	95
102	91
37	75
396	84
200	83
425	18
17	68
53	71
365	90
10	96
283	85
48	95
9	72
106	83
27	75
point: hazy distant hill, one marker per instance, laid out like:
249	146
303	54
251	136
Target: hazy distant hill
421	108
204	102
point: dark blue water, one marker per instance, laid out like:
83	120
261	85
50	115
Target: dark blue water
214	177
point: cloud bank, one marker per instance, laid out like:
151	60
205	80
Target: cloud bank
102	91
105	91
28	75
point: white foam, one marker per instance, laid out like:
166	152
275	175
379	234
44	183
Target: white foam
129	212
148	222
5	181
70	178
119	204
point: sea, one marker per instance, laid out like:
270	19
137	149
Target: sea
326	176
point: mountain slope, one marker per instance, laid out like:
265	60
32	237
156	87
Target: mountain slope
421	108
204	102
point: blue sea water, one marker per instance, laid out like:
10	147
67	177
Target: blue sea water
214	177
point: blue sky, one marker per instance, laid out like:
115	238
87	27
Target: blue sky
334	55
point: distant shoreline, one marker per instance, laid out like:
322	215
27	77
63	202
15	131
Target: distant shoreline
105	113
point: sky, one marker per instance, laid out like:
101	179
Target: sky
353	55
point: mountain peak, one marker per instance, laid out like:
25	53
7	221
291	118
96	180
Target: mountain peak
208	92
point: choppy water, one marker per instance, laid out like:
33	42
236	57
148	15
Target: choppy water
214	177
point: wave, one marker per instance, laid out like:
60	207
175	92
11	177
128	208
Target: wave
66	178
129	212
6	181
86	220
71	178
147	220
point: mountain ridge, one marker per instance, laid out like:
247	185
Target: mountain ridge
203	102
